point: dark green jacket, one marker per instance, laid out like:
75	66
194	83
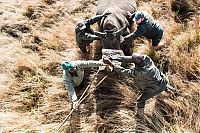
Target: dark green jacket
87	35
147	77
149	28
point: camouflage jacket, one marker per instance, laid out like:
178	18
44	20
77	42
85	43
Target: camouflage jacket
74	80
87	35
146	77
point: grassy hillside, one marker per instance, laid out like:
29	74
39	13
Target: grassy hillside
36	36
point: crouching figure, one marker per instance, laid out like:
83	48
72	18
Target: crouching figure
73	74
149	80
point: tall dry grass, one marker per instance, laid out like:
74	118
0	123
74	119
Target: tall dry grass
180	61
37	38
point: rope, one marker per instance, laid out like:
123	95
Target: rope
88	86
83	98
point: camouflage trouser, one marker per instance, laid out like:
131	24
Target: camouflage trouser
147	95
139	116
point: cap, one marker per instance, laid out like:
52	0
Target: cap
67	66
138	15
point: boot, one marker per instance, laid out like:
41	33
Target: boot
139	117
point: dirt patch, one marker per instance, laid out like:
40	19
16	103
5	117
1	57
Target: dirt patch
14	30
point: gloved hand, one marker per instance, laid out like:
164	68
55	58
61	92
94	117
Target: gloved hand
107	61
115	57
74	105
109	69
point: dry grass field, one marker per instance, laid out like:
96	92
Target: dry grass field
36	36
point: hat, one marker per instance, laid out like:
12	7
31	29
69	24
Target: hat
67	66
138	15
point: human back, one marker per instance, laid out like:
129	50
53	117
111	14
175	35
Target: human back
149	76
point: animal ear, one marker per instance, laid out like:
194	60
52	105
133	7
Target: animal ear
128	14
132	16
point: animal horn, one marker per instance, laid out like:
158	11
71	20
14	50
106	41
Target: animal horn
120	31
100	34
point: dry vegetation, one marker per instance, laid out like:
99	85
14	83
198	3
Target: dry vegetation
36	36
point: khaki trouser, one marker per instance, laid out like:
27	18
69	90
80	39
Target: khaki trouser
140	119
147	95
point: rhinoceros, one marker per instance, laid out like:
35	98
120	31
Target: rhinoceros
115	24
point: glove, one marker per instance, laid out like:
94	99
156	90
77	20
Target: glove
115	57
107	61
74	105
109	69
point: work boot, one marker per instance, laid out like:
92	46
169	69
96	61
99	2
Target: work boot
140	124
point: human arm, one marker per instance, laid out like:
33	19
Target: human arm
132	72
122	58
118	69
139	32
88	63
96	18
69	86
122	71
90	37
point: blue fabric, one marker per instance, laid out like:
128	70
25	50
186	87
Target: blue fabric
67	66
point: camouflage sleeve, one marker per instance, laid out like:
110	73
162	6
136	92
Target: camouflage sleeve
127	72
123	58
139	32
69	86
93	19
89	63
122	71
